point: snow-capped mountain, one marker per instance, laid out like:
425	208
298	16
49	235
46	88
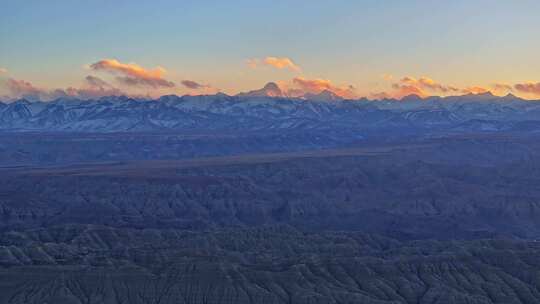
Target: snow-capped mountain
267	109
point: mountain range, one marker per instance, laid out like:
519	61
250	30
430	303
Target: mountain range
269	109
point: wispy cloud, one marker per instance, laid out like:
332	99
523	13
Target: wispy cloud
299	86
402	90
22	88
132	74
475	90
275	62
426	83
3	70
425	86
282	63
93	87
530	87
193	85
504	87
387	77
253	63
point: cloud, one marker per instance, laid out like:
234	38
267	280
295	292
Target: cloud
380	95
92	88
475	90
96	81
387	77
528	88
193	85
276	62
312	85
300	86
253	63
23	89
403	90
502	87
3	70
132	74
424	87
282	63
425	83
411	86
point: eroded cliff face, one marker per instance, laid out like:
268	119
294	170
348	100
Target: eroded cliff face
96	264
428	221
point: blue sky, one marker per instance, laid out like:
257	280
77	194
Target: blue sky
458	43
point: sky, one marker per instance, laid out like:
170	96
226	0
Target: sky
353	48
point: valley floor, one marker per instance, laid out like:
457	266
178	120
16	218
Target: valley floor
422	220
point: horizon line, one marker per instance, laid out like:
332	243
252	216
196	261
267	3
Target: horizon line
240	95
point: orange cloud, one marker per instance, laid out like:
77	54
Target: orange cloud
282	63
425	83
528	88
403	90
3	71
300	86
412	86
276	62
499	88
252	63
387	77
424	87
312	85
475	90
133	74
502	87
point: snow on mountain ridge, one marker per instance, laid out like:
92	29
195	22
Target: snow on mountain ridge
256	112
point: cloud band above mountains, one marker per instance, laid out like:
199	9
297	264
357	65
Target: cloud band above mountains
131	74
133	80
528	87
425	86
302	86
93	87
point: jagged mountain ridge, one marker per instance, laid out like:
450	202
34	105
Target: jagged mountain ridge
261	112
